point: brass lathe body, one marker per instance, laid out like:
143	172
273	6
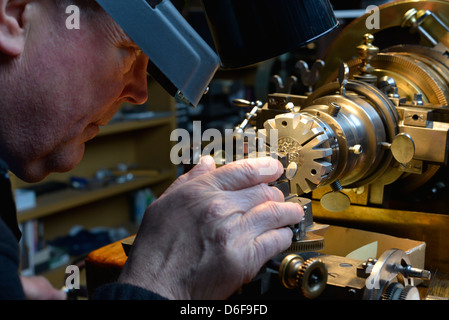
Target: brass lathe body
370	133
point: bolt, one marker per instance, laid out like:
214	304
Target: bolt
356	149
394	93
386	84
336	186
291	170
411	272
334	109
417	99
352	292
290	107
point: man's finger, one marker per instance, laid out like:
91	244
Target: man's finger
272	215
271	243
246	173
254	196
206	164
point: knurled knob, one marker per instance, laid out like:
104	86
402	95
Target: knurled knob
312	278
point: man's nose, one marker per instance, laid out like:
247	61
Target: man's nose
136	89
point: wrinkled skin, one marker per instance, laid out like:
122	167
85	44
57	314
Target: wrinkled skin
211	231
59	85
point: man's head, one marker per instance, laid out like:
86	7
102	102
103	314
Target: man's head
58	84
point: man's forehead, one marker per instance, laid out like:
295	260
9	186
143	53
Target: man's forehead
113	31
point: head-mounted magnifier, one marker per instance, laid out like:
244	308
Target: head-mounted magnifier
245	32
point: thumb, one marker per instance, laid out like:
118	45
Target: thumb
39	288
206	164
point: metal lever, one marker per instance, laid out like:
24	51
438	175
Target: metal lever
309	77
343	76
245	103
279	84
414	19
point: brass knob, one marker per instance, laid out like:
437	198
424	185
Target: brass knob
367	51
288	270
309	276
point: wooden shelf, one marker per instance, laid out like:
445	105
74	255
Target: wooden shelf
71	198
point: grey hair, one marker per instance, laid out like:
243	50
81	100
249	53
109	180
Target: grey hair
82	4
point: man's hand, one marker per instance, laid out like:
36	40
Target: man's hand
212	231
39	288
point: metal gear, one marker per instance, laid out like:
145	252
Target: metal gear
312	278
289	269
410	293
393	291
306	141
397	291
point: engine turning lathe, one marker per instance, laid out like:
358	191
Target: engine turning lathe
380	117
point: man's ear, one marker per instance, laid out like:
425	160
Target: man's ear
12	33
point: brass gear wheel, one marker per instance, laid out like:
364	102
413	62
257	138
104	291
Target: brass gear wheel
397	291
307	141
393	291
312	278
410	293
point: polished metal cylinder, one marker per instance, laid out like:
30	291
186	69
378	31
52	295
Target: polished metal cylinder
356	124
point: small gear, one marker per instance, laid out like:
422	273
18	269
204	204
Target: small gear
393	291
310	242
289	269
312	278
409	293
